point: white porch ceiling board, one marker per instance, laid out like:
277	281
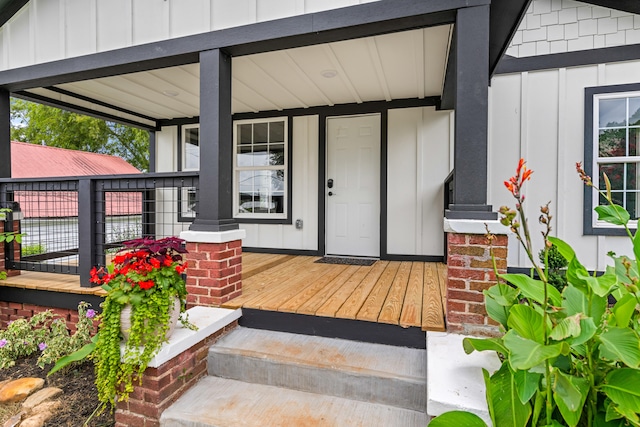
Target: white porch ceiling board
184	79
88	105
111	94
436	49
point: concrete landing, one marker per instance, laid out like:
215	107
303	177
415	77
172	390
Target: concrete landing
367	372
218	402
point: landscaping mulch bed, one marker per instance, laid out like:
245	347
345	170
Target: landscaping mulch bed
80	397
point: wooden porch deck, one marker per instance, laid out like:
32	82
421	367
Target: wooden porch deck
408	294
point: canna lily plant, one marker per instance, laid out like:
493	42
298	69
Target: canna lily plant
570	358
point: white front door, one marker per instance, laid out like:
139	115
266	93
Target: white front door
353	185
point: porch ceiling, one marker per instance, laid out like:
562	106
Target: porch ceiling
409	64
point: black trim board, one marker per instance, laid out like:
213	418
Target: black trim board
303	252
416	258
27	96
505	18
48	298
351	22
631	6
329	327
588	213
10	8
509	64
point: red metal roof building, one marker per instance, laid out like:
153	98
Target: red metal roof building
38	161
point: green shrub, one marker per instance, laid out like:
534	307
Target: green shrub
33	249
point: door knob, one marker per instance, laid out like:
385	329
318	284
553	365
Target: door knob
331	193
330	183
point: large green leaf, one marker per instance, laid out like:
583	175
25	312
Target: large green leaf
570	393
622	386
527	323
484	344
613	214
76	356
587	331
575	301
532	288
505	407
567	327
563	247
525	353
457	419
621	345
603	285
527	383
624	309
498	300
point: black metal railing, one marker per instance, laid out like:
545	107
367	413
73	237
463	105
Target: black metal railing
73	224
449	183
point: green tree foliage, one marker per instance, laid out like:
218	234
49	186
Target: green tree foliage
37	124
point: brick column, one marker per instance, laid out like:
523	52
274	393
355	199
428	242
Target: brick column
469	272
214	274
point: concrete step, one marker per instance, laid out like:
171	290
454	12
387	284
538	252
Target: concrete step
374	373
219	402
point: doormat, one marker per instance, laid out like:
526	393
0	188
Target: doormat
346	261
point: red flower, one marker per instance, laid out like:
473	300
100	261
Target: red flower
181	268
515	183
154	262
167	261
147	284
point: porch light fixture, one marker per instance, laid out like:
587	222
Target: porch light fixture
170	93
329	74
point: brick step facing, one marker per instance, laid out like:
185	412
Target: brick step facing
266	378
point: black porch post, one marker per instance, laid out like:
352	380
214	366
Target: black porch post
471	115
216	145
5	134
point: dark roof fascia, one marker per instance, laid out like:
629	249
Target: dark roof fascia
505	18
352	22
510	64
631	6
10	8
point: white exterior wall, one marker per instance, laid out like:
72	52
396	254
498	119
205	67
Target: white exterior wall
556	26
304	196
419	141
48	30
540	116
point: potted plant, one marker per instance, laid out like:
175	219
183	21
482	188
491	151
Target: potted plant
146	277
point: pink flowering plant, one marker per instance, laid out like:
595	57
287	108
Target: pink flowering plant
570	358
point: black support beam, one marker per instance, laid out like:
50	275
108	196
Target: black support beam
216	144
471	114
5	134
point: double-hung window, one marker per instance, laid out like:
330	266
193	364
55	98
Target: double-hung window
260	168
615	149
190	158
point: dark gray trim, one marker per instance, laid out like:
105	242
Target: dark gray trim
471	112
49	298
178	122
589	167
369	107
384	168
505	18
304	252
352	22
631	6
5	134
10	8
98	102
449	89
216	144
417	258
355	330
322	179
604	55
153	149
27	96
87	228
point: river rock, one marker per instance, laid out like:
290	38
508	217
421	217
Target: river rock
17	390
13	421
40	396
41	413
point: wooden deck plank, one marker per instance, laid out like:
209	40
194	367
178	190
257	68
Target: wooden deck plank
309	292
432	308
337	300
412	308
390	312
311	306
263	264
354	302
442	279
299	284
371	307
256	285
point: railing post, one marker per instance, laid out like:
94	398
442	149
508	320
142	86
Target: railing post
86	229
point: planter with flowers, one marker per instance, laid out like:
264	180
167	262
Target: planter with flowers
146	278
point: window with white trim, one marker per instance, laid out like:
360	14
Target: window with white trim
190	158
616	150
260	168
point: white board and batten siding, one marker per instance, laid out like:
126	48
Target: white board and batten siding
49	30
419	142
539	116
